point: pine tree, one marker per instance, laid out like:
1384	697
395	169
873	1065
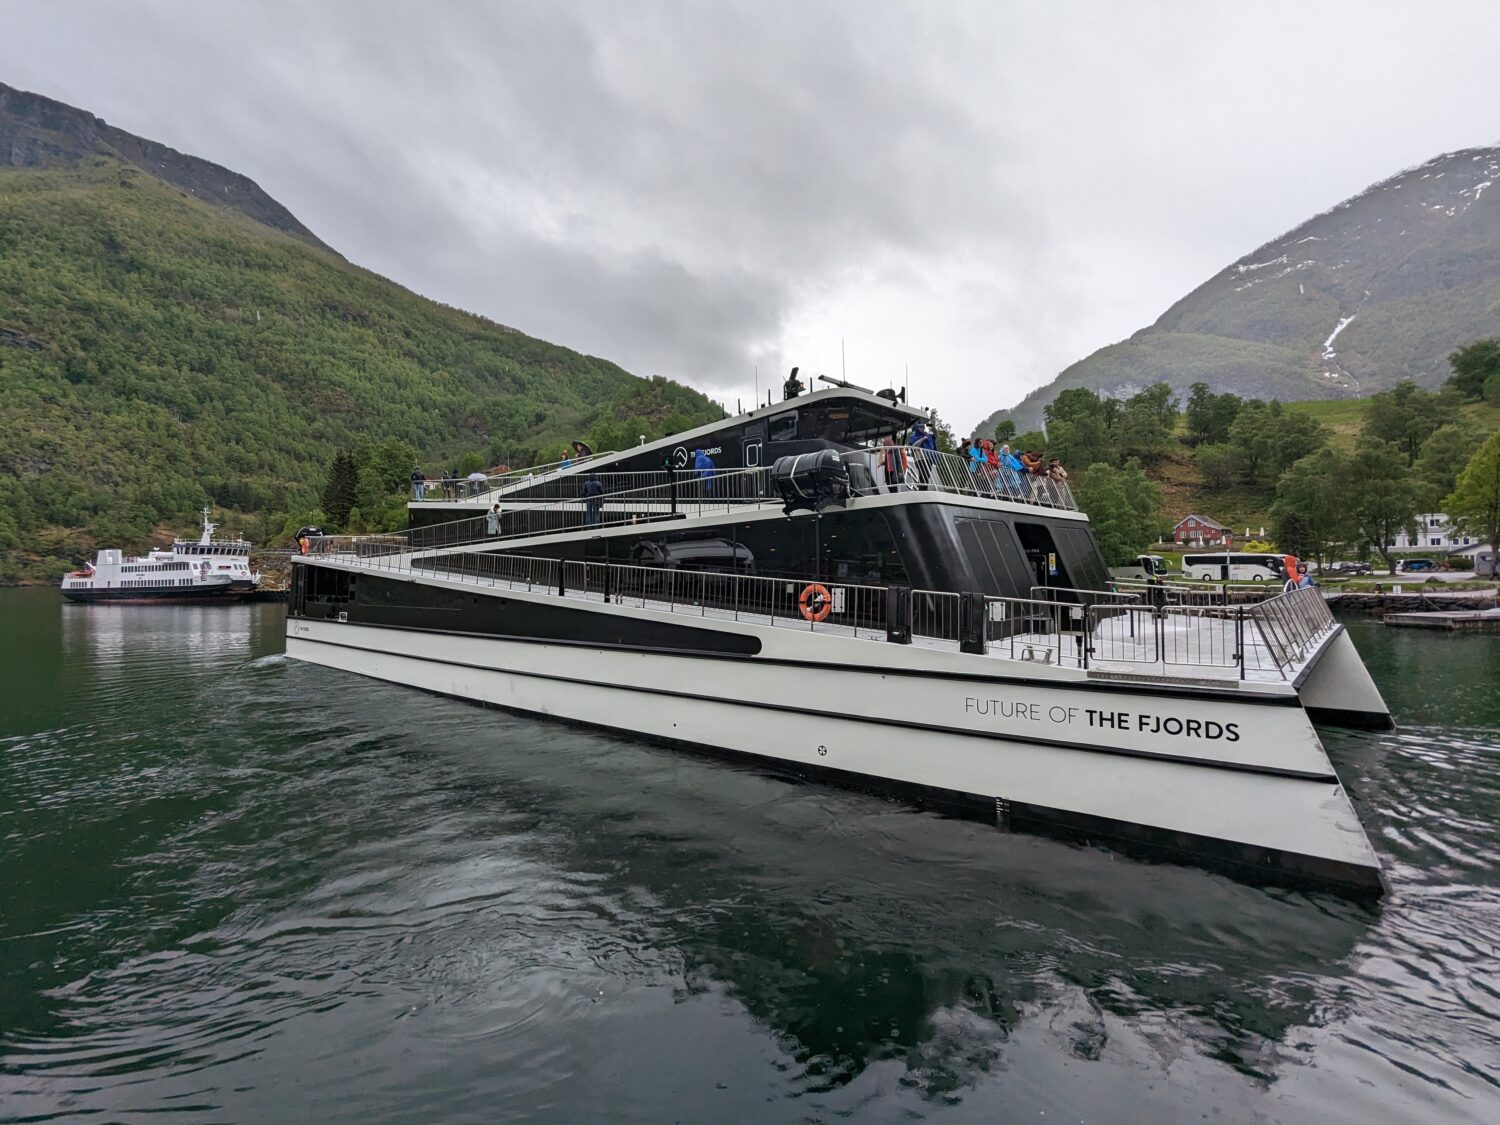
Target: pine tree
340	493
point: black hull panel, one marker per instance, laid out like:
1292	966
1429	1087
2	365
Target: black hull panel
218	595
928	545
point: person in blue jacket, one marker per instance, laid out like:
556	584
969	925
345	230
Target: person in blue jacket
704	465
924	446
1012	472
977	459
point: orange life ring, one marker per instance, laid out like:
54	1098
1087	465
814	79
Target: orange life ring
815	603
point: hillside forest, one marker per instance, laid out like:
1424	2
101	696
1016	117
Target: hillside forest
1322	491
158	354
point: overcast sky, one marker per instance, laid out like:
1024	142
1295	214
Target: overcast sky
986	192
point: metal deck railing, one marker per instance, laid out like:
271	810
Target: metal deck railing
1111	633
897	468
633	498
440	486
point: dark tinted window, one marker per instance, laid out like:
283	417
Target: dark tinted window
784	426
994	559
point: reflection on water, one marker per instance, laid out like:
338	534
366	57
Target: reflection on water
243	887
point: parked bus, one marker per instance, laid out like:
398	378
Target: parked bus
1145	568
1232	567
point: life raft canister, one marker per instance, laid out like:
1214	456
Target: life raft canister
815	602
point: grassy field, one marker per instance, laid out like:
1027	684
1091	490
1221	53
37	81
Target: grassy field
1345	417
1182	487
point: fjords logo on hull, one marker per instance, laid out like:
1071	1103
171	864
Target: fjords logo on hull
1145	722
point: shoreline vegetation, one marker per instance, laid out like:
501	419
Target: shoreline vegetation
1321	479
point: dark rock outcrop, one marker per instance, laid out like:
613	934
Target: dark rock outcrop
38	132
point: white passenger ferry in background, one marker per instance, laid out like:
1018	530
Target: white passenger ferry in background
205	570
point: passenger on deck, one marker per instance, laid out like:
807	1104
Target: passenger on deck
567	459
923	447
965	450
1011	471
476	482
703	465
492	521
593	500
1034	474
892	463
1054	482
988	463
418	484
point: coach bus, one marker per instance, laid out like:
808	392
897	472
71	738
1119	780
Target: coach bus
1235	567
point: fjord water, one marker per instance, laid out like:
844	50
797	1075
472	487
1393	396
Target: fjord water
234	887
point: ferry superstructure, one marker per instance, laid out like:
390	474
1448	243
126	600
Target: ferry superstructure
912	625
204	570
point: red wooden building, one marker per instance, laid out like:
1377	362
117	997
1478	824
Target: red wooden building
1200	531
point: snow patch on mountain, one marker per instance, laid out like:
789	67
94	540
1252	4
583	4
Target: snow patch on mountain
1344	322
1246	267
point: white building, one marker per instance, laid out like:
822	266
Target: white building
1435	533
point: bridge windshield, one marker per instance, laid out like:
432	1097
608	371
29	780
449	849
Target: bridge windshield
849	423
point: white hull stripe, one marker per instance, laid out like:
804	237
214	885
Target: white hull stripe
1057	744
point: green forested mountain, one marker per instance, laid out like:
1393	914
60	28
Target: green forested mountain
1377	290
158	352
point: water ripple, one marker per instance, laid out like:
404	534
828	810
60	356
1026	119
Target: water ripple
229	876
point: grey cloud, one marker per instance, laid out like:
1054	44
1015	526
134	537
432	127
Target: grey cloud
684	187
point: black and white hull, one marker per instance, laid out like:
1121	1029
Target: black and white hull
204	594
1232	773
958	639
201	593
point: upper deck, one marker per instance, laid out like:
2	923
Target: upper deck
868	431
883	470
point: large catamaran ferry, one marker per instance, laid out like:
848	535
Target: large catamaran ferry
799	585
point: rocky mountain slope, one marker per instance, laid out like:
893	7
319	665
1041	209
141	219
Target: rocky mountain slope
158	352
38	132
1378	289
